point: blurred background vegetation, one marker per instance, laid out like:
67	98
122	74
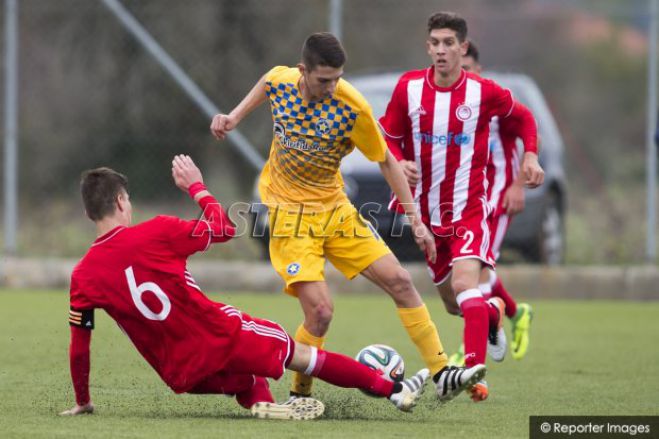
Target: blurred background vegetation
91	96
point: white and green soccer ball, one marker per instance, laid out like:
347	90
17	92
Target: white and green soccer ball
384	360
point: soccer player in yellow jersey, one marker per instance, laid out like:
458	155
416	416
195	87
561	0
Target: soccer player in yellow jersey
318	119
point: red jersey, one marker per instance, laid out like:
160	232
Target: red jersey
138	276
445	131
503	166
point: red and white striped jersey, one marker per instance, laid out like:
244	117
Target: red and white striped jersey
445	131
504	164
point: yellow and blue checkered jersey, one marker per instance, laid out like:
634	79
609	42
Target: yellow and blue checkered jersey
311	138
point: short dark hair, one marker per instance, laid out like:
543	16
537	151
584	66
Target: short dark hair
323	49
473	51
100	188
448	20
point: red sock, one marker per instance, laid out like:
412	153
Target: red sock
493	316
498	290
343	371
475	313
223	383
249	389
260	392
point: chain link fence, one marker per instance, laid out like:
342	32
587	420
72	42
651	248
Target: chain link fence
90	96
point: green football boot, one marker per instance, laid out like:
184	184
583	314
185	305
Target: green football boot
521	324
458	359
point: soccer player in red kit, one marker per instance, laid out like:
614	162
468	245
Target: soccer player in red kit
138	275
505	195
438	122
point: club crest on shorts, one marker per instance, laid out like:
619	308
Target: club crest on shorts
463	112
293	268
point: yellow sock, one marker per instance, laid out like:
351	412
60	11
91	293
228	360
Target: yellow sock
424	334
301	384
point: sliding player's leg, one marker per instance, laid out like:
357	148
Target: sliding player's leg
264	349
343	371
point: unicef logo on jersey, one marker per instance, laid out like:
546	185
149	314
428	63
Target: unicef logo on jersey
293	268
463	112
322	127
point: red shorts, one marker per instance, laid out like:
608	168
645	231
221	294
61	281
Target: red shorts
262	348
466	238
498	224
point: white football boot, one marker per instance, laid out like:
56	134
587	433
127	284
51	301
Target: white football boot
453	380
297	409
411	391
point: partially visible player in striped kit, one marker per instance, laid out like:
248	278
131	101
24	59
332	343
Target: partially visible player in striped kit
437	125
505	195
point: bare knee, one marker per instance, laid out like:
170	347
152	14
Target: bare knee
400	281
459	285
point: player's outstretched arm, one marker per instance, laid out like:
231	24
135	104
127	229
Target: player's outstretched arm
79	363
223	123
185	174
188	178
393	173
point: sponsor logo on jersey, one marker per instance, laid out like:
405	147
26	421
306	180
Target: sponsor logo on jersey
463	112
444	140
293	268
301	145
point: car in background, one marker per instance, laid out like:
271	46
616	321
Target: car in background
537	233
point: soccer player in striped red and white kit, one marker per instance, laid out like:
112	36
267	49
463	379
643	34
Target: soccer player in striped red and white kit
138	275
437	122
505	194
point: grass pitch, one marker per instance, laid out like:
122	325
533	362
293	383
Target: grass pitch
590	358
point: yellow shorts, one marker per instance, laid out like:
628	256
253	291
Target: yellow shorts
300	243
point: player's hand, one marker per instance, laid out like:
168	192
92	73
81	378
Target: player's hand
79	410
514	199
424	239
410	171
533	173
185	172
222	124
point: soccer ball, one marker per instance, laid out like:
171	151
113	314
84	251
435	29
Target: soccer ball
384	360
